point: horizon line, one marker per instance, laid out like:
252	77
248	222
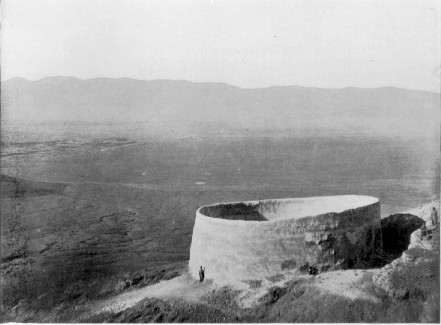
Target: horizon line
218	82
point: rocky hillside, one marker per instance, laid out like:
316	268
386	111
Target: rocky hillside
405	289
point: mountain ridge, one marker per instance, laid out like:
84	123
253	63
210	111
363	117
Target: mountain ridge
208	82
165	102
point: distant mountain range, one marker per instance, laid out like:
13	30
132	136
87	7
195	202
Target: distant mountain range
162	103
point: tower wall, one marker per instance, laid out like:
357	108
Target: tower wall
285	238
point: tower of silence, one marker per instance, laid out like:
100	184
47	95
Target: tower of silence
255	240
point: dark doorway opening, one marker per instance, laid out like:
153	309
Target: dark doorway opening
396	231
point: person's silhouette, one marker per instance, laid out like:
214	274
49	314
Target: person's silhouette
201	274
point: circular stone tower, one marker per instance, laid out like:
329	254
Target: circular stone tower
255	240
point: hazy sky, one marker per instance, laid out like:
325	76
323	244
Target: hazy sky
248	43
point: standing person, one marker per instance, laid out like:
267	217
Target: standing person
201	274
434	217
423	230
432	222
